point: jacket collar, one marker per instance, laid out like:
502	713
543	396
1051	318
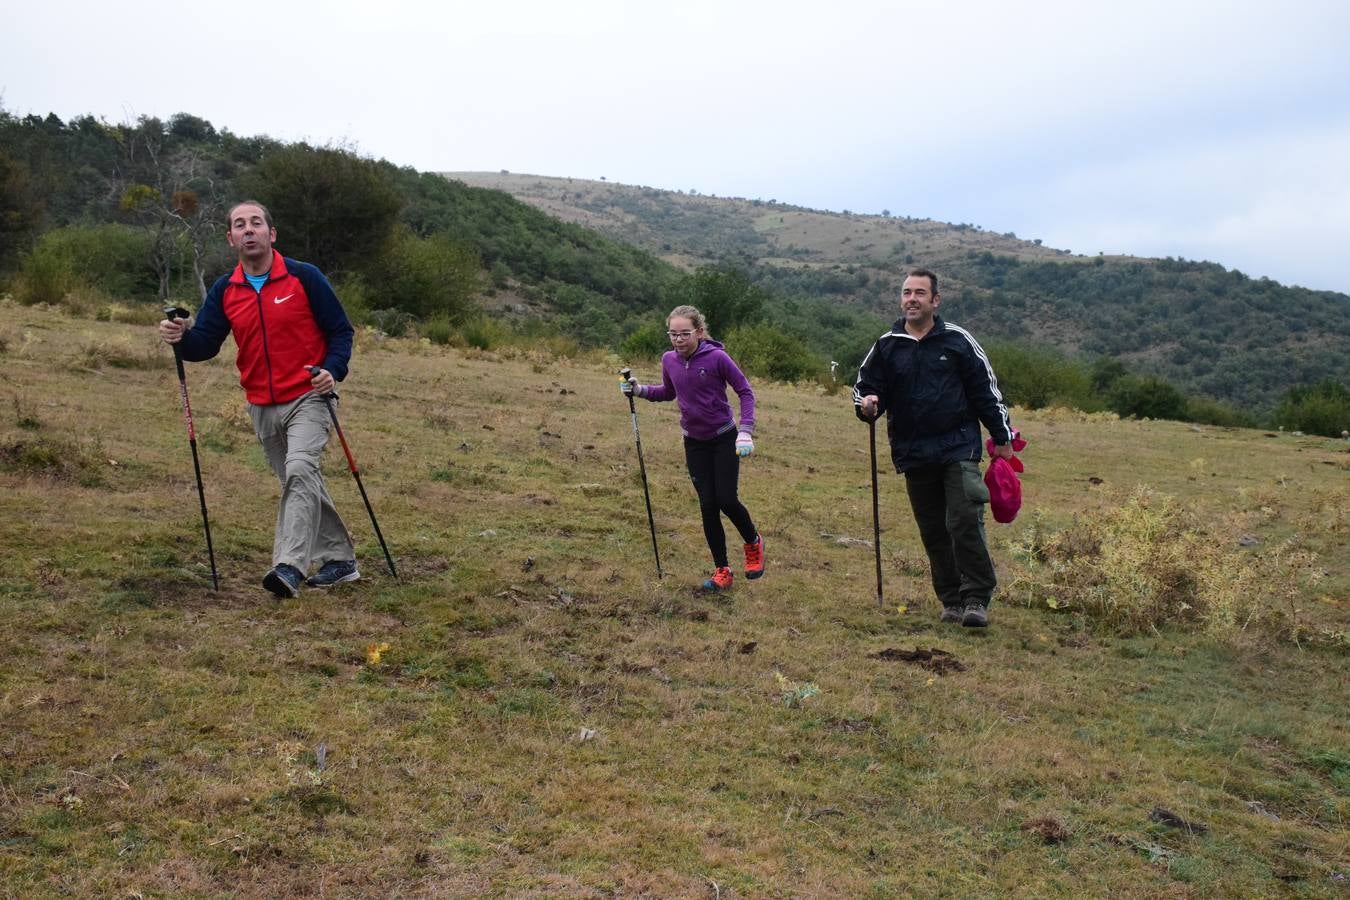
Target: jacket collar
707	345
278	270
898	329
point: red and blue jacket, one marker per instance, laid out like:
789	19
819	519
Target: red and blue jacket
294	322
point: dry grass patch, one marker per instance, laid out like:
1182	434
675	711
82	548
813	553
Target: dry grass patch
1144	562
122	352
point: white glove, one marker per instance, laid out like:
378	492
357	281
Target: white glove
745	445
630	388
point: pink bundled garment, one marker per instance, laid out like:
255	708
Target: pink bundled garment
1005	489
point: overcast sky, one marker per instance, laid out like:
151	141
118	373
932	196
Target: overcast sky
1205	130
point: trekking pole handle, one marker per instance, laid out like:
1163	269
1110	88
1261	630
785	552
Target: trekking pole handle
314	373
628	377
171	313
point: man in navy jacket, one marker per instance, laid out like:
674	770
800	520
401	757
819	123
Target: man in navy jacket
935	384
285	318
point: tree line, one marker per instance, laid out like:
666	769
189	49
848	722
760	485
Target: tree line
134	211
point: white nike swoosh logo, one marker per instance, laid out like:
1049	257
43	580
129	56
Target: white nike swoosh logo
284	299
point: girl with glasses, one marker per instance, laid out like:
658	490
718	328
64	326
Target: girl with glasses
697	373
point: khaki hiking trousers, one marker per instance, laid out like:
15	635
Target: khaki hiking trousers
293	435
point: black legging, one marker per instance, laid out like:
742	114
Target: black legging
715	468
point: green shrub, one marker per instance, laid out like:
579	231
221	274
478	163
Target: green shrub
357	300
727	299
1322	408
1214	412
43	278
429	277
438	330
1146	398
482	332
393	322
592	319
110	258
766	351
1037	377
645	343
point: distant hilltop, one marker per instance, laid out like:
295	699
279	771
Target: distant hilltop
1211	330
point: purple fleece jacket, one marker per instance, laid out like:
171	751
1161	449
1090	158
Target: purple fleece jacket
700	384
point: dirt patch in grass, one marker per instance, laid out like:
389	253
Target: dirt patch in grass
932	659
1049	830
152	589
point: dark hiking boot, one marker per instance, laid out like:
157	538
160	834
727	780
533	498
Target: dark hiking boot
953	614
284	581
976	616
335	571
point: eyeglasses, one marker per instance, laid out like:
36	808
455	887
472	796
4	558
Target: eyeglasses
679	335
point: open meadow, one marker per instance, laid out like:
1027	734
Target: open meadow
528	711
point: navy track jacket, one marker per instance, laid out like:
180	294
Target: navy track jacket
935	391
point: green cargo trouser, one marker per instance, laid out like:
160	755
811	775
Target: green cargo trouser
948	502
293	436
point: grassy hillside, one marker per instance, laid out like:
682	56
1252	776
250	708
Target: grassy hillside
1211	331
529	712
700	229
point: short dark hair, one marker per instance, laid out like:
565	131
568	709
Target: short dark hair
925	273
267	215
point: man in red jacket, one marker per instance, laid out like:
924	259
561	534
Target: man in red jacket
285	318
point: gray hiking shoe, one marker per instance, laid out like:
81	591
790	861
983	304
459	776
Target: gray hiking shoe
975	616
952	614
335	571
284	581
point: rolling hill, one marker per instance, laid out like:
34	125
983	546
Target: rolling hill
1210	330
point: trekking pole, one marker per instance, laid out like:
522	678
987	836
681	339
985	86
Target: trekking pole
876	513
642	466
177	312
328	399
